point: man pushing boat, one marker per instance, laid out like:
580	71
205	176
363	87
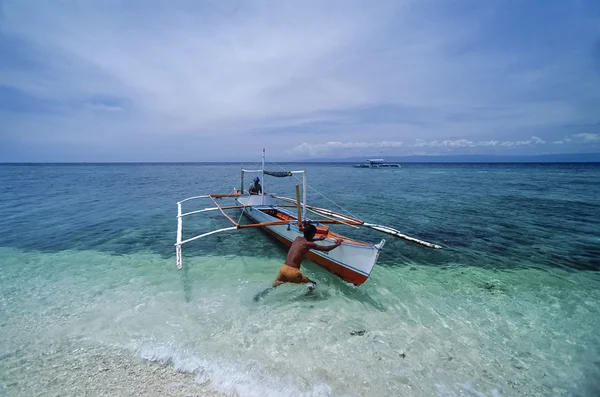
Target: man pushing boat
290	271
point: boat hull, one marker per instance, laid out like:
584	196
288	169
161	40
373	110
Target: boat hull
352	261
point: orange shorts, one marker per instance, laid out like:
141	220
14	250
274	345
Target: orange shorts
288	274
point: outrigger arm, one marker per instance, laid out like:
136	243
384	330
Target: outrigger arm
333	217
397	233
353	222
235	226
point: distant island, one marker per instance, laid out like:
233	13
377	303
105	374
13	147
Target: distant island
457	159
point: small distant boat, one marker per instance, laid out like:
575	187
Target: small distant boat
377	163
284	218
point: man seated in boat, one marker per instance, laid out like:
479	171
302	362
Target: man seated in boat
255	188
290	271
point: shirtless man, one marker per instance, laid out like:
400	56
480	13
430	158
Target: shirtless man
290	271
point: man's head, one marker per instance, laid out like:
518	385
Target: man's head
309	231
256	179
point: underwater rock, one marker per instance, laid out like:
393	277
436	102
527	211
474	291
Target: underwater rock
358	333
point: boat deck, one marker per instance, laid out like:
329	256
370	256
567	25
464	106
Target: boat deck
322	230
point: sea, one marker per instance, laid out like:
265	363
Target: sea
92	304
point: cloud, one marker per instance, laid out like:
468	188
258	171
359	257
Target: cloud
465	143
344	149
239	65
588	137
321	149
537	140
213	79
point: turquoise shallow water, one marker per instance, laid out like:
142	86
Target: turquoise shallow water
509	307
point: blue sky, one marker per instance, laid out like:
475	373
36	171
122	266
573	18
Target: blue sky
219	80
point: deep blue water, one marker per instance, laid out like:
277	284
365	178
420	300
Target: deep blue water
483	214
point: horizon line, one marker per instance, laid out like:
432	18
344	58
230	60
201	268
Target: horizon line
423	159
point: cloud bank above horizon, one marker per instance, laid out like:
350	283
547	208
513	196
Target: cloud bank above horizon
211	80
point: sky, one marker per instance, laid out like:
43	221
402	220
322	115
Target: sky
220	80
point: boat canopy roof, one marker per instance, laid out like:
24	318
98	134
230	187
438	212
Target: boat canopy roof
278	174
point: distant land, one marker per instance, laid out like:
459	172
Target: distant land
475	158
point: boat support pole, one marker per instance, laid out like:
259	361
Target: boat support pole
179	227
304	195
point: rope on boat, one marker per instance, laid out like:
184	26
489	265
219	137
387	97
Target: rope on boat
329	217
241	214
381	228
321	194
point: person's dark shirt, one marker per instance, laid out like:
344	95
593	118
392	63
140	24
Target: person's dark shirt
255	188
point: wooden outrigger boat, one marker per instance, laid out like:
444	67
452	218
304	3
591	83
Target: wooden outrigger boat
352	261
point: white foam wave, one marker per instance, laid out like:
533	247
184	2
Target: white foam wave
230	378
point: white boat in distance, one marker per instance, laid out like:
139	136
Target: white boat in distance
377	163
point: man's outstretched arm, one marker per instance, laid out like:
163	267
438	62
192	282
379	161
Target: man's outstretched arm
318	247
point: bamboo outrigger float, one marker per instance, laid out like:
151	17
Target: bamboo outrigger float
279	216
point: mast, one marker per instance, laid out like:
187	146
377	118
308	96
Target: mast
262	176
300	223
304	195
241	178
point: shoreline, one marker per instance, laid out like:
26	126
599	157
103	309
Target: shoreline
93	371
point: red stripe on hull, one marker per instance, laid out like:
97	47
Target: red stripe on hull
342	272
